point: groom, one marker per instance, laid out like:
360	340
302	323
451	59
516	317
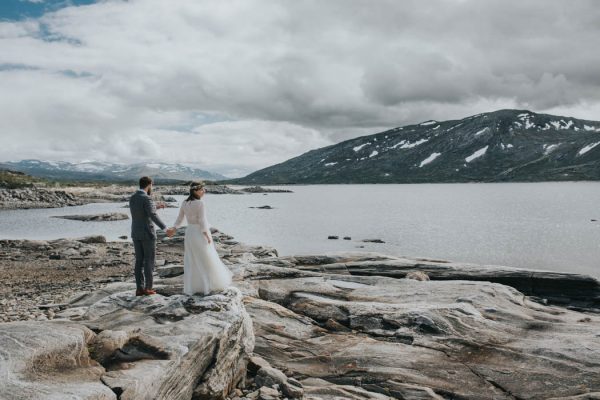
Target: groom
143	213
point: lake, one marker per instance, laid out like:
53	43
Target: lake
528	225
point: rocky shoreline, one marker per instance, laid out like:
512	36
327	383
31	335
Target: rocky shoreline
333	326
11	199
43	197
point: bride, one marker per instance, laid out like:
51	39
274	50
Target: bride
203	271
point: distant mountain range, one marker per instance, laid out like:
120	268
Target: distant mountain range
99	171
506	145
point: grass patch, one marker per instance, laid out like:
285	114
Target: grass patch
15	180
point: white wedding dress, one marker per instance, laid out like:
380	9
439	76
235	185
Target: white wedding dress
203	270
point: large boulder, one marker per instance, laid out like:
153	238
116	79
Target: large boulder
147	347
49	360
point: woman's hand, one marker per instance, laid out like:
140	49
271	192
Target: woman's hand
208	237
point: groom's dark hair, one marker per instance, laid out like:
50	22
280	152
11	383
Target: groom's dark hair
145	181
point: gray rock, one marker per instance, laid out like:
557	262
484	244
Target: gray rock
92	239
143	345
51	361
260	189
267	393
269	376
566	289
95	217
36	198
373	241
170	270
417	339
293	389
417	276
315	388
255	363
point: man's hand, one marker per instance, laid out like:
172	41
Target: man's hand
171	232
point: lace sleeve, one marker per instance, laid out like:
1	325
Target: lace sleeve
180	217
203	222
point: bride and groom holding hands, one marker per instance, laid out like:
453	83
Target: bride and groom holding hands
204	272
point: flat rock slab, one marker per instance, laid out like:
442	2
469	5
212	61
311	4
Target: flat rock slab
95	217
573	290
260	189
169	271
418	339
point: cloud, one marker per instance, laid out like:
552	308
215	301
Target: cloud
256	82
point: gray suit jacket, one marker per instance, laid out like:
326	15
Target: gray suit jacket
143	213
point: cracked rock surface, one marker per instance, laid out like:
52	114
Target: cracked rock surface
363	336
119	346
326	327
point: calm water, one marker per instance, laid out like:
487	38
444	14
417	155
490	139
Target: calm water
530	225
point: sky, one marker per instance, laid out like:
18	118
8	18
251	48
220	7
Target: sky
233	86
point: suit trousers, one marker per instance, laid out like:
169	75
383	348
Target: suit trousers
145	252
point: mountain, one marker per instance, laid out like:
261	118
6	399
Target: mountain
99	171
506	145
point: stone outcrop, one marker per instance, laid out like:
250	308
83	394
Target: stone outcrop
363	337
95	217
334	326
114	345
570	290
36	198
59	249
49	360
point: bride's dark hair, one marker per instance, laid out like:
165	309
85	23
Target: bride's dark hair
194	187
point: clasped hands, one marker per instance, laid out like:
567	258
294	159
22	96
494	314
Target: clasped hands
171	232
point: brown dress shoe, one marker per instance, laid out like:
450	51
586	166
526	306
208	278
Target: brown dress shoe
139	292
149	292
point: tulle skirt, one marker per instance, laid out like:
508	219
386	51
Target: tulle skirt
204	272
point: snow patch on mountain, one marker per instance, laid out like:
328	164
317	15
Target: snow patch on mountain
359	147
429	159
587	148
409	145
550	148
477	154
